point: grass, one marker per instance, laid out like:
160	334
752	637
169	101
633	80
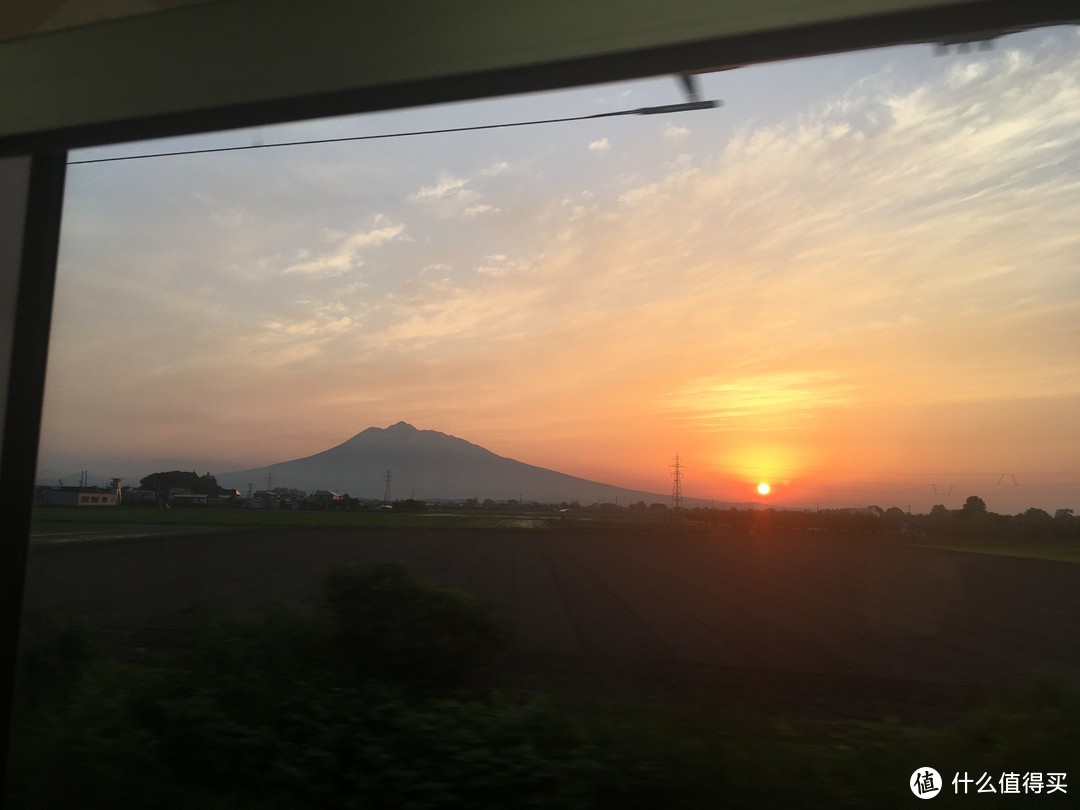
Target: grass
56	519
365	703
243	518
90	521
1056	552
228	728
716	756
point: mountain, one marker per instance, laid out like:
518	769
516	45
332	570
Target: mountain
427	465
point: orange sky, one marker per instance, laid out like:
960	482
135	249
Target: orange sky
858	281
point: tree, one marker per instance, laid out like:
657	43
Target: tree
974	506
177	479
939	510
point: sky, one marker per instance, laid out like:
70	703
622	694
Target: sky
858	280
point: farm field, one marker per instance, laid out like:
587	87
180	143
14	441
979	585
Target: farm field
849	623
49	520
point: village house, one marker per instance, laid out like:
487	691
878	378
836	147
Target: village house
323	498
76	496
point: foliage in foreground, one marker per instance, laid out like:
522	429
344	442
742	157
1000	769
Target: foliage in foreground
365	704
360	704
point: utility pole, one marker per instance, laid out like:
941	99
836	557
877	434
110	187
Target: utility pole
676	483
386	493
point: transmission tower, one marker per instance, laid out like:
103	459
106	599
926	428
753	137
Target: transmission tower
676	483
386	493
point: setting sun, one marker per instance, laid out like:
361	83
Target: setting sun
763	488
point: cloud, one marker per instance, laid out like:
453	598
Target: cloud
778	401
452	316
451	196
310	328
500	264
347	253
673	132
447	186
601	145
966	72
495	169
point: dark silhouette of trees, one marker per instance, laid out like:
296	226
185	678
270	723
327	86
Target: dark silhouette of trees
162	482
973	507
973	522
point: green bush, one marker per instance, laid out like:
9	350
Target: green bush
390	626
157	737
322	709
355	705
54	652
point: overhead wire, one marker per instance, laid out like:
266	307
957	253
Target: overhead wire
663	109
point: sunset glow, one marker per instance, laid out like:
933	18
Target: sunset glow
857	282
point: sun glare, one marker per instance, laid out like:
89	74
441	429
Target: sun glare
763	488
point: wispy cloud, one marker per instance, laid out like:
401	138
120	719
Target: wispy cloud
495	169
600	145
447	186
673	132
348	253
454	197
779	401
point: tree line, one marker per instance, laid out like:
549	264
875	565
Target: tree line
973	521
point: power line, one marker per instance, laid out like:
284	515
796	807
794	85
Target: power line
665	109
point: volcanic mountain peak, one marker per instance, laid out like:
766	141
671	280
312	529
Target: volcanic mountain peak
402	435
427	464
401	428
398	427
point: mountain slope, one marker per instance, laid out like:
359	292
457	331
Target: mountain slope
426	464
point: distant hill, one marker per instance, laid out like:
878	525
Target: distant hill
428	465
